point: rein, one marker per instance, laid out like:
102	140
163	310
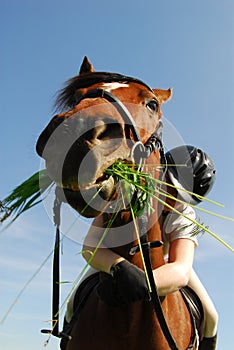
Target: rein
56	272
139	152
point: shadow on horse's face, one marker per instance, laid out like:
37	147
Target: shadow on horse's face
80	144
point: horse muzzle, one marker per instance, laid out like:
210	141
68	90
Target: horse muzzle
77	152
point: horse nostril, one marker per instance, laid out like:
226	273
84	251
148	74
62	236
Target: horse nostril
107	130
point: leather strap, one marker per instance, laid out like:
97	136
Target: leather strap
136	248
56	271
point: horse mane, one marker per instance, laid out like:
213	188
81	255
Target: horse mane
66	97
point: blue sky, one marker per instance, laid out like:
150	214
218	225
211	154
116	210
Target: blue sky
187	45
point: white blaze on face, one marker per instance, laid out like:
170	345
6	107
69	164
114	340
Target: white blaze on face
113	86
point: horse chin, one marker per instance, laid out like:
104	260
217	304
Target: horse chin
91	200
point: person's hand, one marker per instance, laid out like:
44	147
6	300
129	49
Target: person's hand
126	284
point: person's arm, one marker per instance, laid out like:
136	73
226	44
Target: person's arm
103	258
174	275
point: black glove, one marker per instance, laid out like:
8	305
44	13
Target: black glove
126	285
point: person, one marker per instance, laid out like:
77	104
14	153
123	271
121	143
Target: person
179	244
197	177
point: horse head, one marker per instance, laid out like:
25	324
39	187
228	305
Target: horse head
102	116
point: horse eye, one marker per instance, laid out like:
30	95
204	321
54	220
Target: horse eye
152	106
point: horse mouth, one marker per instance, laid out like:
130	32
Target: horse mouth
90	199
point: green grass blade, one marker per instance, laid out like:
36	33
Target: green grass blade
25	196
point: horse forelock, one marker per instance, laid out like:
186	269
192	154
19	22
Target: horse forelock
67	96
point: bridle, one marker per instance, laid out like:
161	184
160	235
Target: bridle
139	153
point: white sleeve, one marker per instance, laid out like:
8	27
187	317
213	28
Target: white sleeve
179	226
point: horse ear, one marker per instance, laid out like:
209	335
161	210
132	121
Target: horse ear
163	95
86	66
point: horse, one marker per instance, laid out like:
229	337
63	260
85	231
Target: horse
106	118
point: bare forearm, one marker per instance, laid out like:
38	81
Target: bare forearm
170	277
176	274
102	259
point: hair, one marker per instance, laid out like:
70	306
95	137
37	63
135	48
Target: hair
66	97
